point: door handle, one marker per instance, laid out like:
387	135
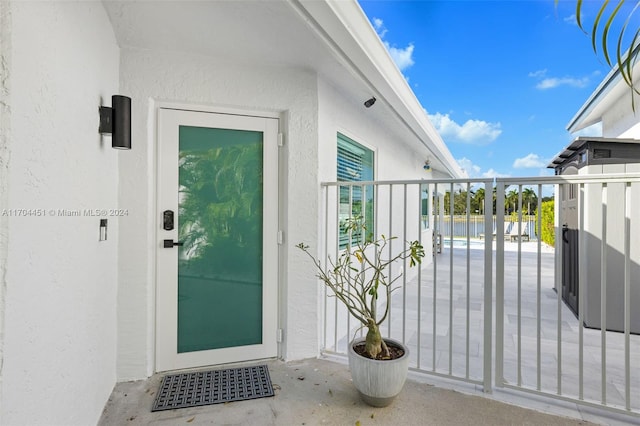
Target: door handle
171	243
565	231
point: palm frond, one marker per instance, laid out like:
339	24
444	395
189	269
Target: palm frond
606	21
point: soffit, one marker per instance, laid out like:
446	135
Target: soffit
608	92
333	39
578	143
246	31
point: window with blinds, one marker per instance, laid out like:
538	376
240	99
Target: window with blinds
424	208
355	164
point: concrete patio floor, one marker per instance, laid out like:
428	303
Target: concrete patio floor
320	392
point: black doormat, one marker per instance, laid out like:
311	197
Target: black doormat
213	387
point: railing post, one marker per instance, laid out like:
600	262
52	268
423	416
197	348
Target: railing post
627	295
488	287
499	378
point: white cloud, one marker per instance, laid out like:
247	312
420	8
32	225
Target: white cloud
571	19
545	82
378	24
403	57
491	173
553	82
476	132
530	161
539	73
467	165
475	171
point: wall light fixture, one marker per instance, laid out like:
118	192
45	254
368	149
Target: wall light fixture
116	120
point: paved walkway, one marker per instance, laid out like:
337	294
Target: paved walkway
438	341
319	392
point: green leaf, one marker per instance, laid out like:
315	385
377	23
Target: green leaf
578	14
596	22
604	23
605	32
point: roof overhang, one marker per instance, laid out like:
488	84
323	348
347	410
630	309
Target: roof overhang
332	38
578	144
612	88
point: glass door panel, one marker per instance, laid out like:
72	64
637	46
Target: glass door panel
220	216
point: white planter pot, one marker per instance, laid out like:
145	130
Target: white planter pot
378	382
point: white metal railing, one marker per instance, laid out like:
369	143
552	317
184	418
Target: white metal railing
419	317
580	359
443	311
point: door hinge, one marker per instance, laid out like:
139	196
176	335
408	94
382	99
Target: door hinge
280	139
280	237
279	335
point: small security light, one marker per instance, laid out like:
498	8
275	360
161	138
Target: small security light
369	102
116	120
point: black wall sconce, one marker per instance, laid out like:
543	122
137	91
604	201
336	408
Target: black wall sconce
369	102
116	120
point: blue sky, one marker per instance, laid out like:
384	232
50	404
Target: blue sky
500	80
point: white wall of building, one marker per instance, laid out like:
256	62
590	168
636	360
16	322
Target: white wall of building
59	283
156	76
394	158
398	156
311	113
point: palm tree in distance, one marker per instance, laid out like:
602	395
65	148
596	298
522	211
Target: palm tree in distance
512	199
478	198
529	196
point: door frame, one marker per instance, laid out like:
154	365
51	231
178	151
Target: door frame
154	110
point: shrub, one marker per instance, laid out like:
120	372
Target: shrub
548	231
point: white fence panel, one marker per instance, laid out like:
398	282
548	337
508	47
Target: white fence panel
567	315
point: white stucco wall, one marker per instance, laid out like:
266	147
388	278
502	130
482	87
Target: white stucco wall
394	158
397	155
59	282
311	113
149	76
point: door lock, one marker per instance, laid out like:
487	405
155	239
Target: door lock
167	220
171	243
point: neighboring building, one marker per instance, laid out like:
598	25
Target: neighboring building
83	306
616	150
610	105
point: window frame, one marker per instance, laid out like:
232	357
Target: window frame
355	193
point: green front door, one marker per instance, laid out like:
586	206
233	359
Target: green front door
217	274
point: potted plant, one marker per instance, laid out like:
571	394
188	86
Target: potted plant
357	277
